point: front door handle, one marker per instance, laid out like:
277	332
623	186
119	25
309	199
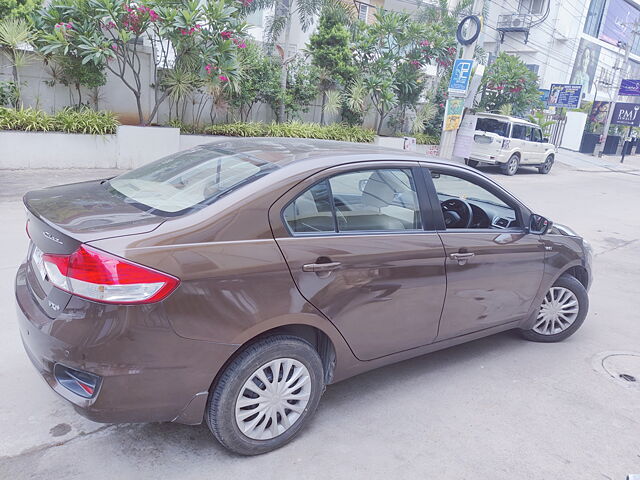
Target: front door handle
320	267
461	258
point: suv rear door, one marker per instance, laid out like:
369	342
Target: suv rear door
361	249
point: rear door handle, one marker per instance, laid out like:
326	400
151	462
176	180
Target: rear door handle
320	267
461	258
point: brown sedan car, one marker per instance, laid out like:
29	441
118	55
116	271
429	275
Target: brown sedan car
232	282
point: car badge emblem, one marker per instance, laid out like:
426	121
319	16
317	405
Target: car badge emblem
51	237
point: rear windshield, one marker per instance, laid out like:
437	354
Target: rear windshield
492	125
187	180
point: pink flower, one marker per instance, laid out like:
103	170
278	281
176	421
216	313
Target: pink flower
441	105
246	3
153	16
242	45
183	31
114	47
208	68
223	78
226	34
425	43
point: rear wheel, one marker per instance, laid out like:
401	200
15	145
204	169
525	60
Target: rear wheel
546	166
472	163
562	312
511	167
266	395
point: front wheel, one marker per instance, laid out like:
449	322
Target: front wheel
511	167
562	312
266	395
546	166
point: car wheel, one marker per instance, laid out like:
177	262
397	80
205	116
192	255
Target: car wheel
562	312
265	395
511	167
472	163
546	166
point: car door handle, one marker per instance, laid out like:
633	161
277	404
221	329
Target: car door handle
461	258
320	267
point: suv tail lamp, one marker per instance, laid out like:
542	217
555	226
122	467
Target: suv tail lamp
102	277
505	143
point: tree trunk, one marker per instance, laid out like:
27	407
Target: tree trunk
324	100
79	95
139	105
16	80
155	108
380	122
283	72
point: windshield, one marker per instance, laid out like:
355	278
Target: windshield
187	179
492	125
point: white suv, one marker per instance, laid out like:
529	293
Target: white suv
510	142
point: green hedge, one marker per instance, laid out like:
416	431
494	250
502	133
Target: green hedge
67	120
293	129
426	139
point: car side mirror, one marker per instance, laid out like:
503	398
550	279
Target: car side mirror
538	225
545	139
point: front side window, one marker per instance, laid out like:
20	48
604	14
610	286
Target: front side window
491	125
519	132
536	135
374	200
466	204
187	179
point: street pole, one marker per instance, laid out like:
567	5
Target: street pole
624	145
448	137
616	95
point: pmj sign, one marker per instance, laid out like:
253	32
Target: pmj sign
626	114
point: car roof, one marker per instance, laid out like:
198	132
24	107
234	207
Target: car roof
283	151
507	118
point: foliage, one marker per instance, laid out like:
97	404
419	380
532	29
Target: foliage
390	54
302	88
508	81
67	120
15	33
18	8
8	94
427	139
538	117
197	42
71	72
294	129
260	81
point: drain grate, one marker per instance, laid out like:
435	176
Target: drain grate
623	367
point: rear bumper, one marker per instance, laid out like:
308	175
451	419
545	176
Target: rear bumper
488	159
148	373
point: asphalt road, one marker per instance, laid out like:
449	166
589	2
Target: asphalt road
497	408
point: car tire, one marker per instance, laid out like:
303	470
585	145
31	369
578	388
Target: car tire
546	166
230	401
567	290
472	163
511	167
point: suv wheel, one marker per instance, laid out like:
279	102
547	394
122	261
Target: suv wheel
511	167
266	395
561	313
546	166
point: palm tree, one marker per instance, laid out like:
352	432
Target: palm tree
16	37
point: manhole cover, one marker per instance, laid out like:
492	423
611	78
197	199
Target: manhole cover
624	367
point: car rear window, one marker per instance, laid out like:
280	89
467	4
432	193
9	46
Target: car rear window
187	180
492	125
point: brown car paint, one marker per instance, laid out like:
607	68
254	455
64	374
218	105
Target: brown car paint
159	361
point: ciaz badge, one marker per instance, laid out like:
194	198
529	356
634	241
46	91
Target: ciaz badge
51	237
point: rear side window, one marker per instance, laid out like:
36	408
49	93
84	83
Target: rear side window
492	125
363	201
188	179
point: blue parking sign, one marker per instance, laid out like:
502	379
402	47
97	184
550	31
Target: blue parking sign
460	76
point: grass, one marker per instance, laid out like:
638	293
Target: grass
68	120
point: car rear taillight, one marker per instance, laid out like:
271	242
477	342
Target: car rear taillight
505	143
103	277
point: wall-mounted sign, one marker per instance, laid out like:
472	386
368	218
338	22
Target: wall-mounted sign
618	22
626	114
585	65
460	76
599	112
630	87
564	95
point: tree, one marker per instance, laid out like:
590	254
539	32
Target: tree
74	73
508	81
15	34
18	8
331	52
184	36
279	25
301	89
260	81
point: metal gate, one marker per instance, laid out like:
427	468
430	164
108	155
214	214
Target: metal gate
555	131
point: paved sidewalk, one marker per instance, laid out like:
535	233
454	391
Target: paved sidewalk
590	163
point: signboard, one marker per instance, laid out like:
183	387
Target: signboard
460	76
453	113
564	95
585	65
618	22
630	87
599	112
544	94
626	114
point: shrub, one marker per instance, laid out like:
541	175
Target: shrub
68	120
295	130
427	139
